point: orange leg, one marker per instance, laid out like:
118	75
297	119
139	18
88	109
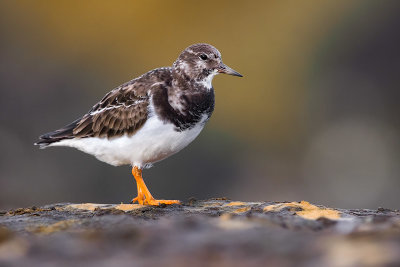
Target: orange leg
144	196
140	197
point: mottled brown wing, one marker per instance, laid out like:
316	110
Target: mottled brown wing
120	112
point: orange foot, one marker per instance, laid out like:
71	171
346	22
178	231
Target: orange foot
157	202
144	196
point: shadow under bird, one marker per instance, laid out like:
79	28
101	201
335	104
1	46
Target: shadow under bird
148	118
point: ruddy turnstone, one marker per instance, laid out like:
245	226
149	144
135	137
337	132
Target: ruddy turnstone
148	118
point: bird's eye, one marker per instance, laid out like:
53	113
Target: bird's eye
203	56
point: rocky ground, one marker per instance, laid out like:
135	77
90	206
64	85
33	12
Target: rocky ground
216	232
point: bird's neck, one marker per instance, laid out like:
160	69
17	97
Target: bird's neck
183	81
205	81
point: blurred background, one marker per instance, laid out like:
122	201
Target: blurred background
316	116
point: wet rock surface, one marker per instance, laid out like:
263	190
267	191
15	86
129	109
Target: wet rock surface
216	232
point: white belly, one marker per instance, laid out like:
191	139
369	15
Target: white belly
153	142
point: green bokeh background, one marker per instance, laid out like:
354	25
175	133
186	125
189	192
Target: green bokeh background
316	116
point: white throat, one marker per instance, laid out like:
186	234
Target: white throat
206	82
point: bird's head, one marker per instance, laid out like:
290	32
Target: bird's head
200	63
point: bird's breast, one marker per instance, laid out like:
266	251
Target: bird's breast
183	109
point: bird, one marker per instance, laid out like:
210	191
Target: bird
148	118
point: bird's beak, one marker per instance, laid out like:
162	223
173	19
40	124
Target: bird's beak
225	69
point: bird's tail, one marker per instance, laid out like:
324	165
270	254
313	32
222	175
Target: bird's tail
57	135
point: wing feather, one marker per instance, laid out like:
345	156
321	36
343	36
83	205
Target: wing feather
123	110
116	118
